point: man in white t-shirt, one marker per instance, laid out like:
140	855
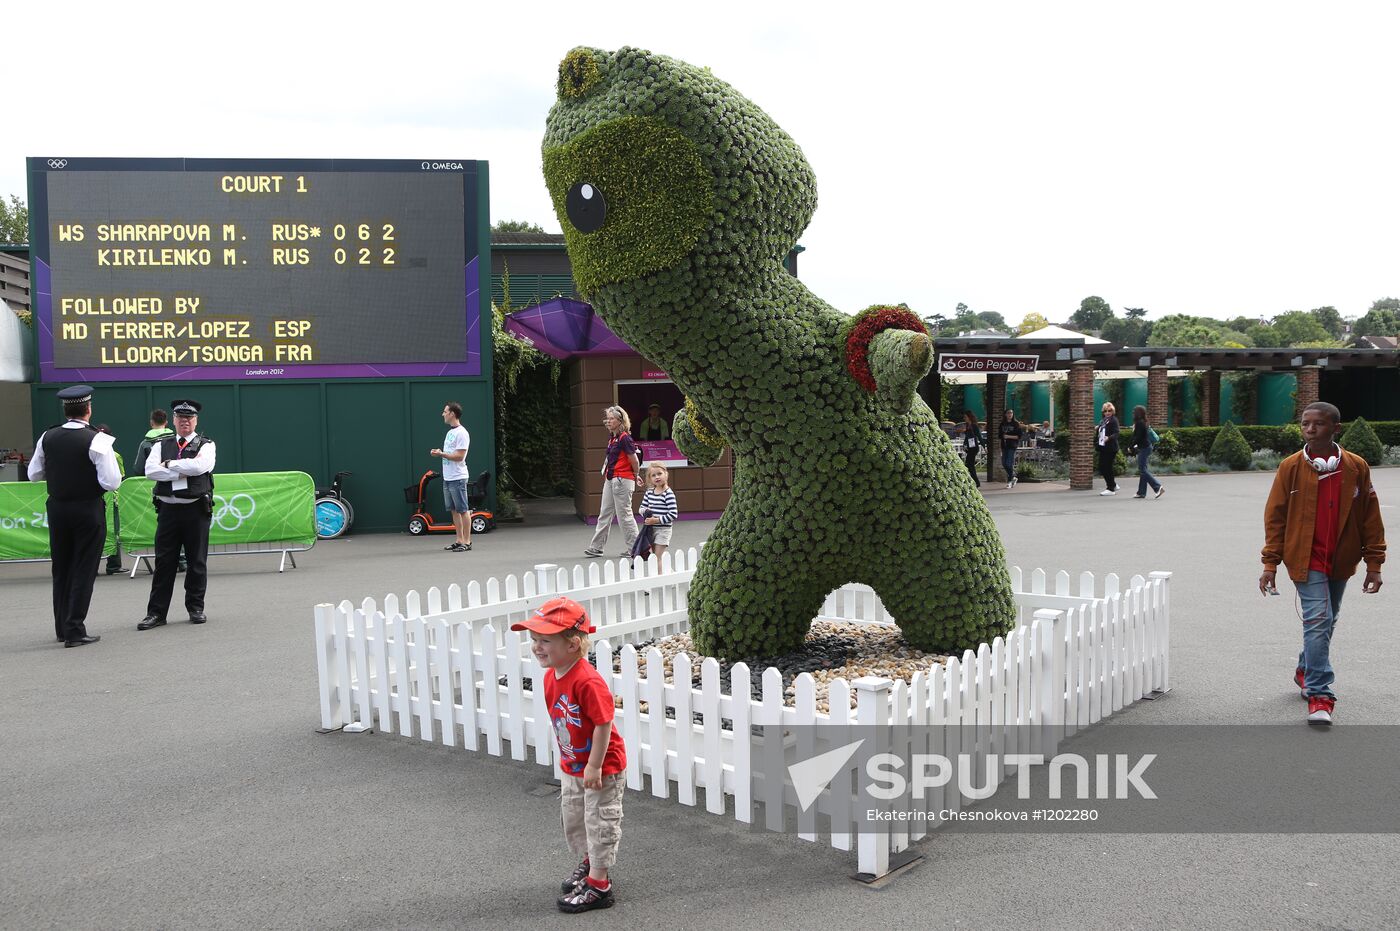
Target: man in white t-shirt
454	476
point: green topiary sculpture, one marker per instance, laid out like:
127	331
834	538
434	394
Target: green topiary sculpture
1359	438
679	199
1230	447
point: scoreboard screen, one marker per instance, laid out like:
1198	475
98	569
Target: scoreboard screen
147	269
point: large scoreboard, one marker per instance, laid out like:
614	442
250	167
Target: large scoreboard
153	269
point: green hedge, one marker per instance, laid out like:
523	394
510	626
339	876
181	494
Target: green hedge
1387	431
1284	439
1230	448
1361	439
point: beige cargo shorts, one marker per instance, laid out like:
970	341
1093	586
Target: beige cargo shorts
592	817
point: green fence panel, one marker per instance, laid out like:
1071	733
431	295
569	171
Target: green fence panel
1040	402
1134	393
973	400
1277	392
249	507
24	521
1188	413
1227	405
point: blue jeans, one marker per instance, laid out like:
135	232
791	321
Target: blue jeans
454	495
1145	477
1008	462
1321	598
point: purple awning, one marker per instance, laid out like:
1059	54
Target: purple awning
565	328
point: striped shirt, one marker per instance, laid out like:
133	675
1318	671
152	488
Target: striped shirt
660	504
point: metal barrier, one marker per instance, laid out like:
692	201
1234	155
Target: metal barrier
288	551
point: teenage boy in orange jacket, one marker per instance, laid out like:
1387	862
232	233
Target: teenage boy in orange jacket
1322	519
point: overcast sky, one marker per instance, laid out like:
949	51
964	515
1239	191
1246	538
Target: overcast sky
1210	158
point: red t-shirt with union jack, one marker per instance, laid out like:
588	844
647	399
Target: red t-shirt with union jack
579	702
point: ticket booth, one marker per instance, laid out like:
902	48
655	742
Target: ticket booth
603	371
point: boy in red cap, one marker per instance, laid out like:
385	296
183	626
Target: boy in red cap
591	753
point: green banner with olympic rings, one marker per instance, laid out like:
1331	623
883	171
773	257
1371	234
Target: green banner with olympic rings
248	507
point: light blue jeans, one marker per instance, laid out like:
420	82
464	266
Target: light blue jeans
1321	598
1145	477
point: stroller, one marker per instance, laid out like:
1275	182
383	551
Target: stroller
422	521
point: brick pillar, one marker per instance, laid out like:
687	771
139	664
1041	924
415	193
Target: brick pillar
996	403
1081	424
1156	398
1308	377
1210	398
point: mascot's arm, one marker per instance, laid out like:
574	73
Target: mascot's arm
898	360
696	437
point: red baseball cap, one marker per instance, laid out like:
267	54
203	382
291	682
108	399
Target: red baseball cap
556	616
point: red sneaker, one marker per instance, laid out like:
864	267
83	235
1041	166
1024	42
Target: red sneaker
1298	678
1320	709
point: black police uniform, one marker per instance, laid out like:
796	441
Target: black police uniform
182	521
76	515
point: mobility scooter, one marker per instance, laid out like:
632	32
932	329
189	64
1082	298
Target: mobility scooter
423	520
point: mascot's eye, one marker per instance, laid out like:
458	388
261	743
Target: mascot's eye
585	207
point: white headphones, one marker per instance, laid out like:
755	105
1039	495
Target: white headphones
1325	466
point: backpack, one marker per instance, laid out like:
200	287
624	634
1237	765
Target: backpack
1152	436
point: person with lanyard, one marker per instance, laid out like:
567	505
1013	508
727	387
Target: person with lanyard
971	442
182	467
1106	441
620	469
80	466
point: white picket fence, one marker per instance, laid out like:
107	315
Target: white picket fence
456	673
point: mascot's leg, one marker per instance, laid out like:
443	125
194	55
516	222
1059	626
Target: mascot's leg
943	578
946	618
754	592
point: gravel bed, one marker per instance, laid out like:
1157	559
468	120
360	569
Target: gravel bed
832	650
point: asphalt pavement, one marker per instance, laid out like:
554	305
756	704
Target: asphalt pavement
173	778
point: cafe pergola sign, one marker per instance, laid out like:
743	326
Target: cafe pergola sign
951	363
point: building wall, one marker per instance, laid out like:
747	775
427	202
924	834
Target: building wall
16	421
381	430
592	387
536	275
14	281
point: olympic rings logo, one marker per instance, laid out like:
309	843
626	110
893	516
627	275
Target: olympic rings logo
58	163
230	508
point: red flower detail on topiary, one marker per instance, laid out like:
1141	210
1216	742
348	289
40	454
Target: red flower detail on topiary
868	323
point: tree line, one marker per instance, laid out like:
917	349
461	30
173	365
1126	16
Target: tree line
1319	328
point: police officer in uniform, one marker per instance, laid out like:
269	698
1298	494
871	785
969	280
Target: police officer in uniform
79	465
182	467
